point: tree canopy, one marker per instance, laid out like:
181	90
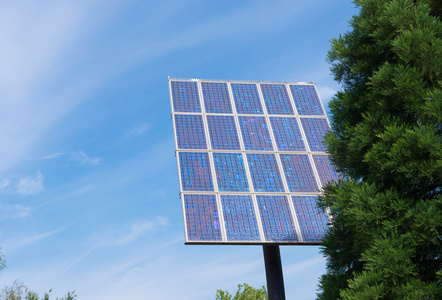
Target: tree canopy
386	242
244	292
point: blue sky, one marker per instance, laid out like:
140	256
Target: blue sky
89	195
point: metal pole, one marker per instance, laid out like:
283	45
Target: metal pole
275	280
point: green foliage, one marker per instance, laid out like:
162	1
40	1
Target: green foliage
19	291
386	240
244	292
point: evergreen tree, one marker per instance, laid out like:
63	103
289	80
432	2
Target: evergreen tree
386	239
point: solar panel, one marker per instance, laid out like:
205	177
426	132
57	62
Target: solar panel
314	130
246	98
202	218
299	173
230	172
306	100
185	96
276	99
190	132
239	218
312	221
325	169
251	161
223	134
287	134
255	133
216	97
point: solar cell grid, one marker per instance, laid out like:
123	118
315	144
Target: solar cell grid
202	218
325	169
276	99
314	130
276	218
265	173
230	172
246	98
287	134
195	171
255	133
262	179
240	218
216	97
190	132
185	96
306	100
299	173
312	221
223	135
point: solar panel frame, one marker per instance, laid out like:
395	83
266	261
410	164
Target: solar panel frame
275	151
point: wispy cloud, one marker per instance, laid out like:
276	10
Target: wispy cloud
13	245
139	129
30	185
4	183
138	229
14	211
78	157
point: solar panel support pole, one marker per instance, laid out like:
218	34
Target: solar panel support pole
275	280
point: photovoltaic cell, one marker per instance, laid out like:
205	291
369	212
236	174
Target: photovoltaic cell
185	96
246	98
299	173
312	221
240	218
306	100
287	134
223	135
216	97
230	172
255	133
202	218
325	169
276	218
276	99
195	171
190	132
265	173
314	131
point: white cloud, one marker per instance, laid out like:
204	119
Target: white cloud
77	156
138	229
31	186
13	245
4	183
83	159
15	211
140	129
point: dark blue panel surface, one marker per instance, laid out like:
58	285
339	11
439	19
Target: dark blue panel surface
202	218
230	172
287	134
223	135
216	97
240	218
255	133
185	96
190	132
306	100
325	169
195	171
312	221
276	99
314	131
276	218
265	173
246	98
299	173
